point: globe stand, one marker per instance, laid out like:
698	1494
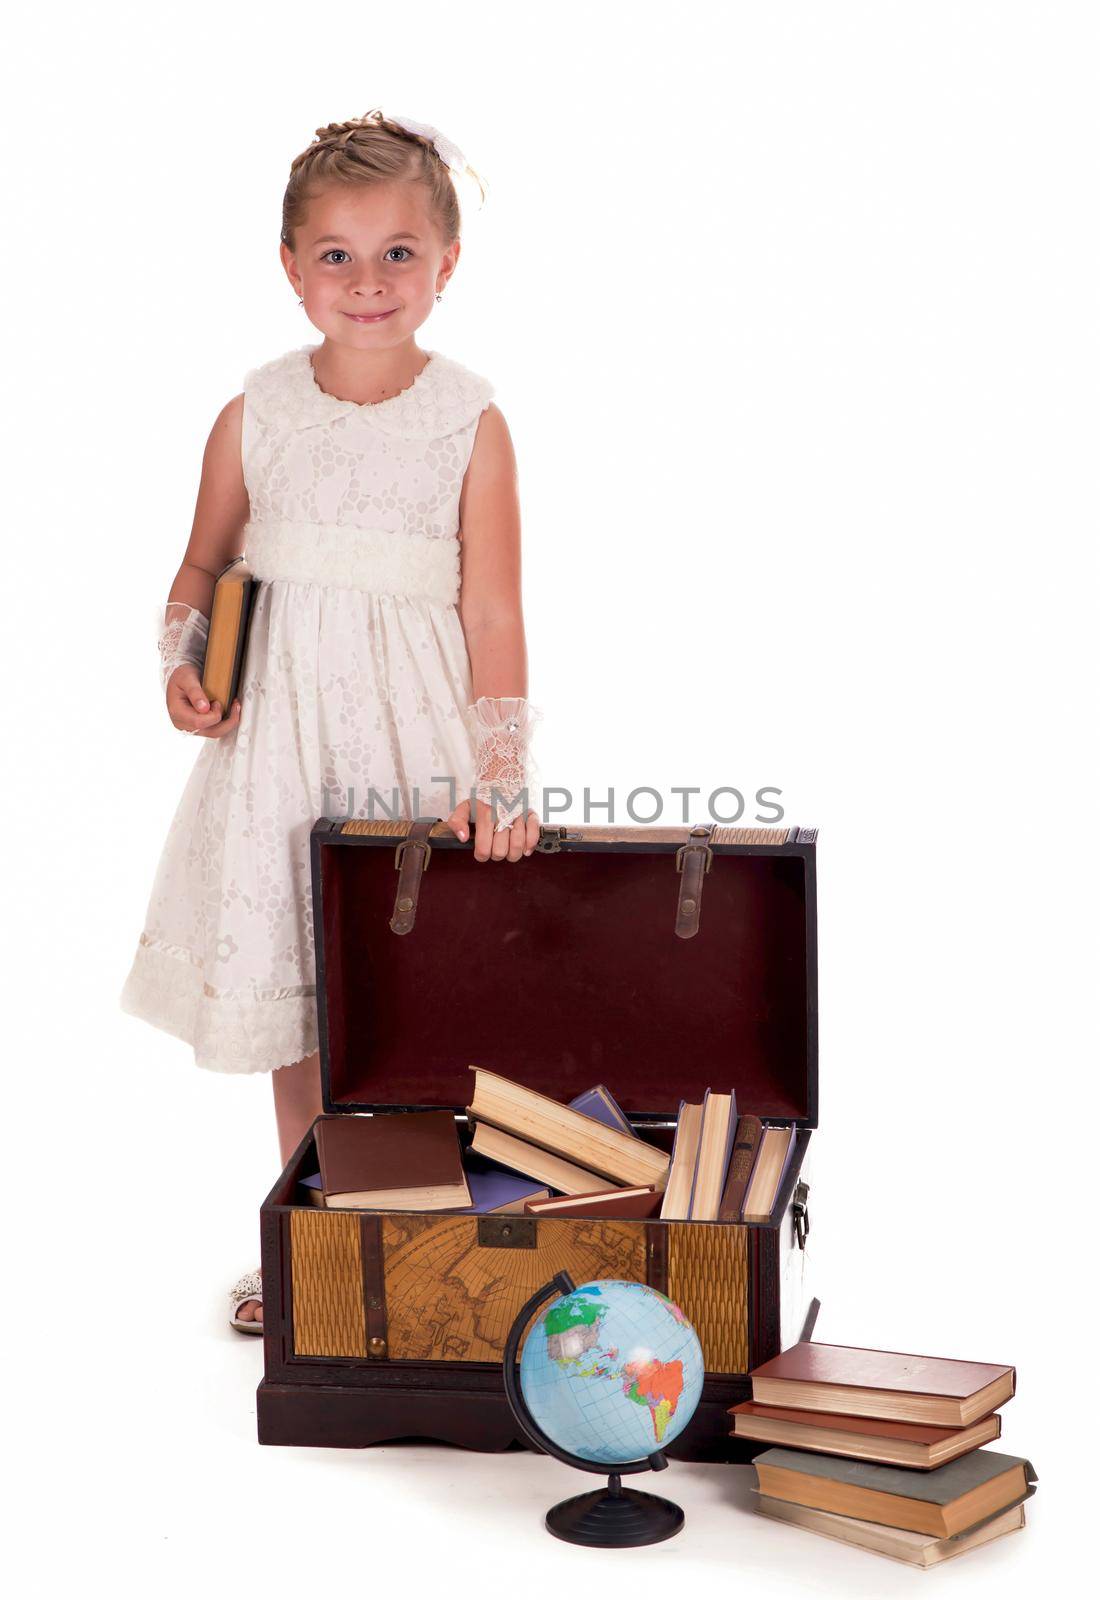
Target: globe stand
613	1517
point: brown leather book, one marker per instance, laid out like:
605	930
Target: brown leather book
947	1501
882	1383
227	637
644	1202
902	1444
746	1142
401	1160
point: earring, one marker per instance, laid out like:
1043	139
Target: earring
439	297
301	302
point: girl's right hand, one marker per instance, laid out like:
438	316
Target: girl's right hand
191	712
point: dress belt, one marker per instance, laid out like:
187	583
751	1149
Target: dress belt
339	557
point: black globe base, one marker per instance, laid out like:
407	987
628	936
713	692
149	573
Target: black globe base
615	1518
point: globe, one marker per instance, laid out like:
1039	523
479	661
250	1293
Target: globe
612	1371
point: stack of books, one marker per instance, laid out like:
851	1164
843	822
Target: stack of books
883	1450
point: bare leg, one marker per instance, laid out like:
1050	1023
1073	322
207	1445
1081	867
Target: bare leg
297	1101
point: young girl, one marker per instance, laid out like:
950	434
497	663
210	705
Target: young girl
371	487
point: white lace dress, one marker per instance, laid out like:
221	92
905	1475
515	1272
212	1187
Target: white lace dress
353	699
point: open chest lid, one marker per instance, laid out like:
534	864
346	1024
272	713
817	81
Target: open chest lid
658	961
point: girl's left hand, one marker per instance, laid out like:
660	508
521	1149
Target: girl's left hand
510	844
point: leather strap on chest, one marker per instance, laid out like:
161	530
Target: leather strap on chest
692	863
411	860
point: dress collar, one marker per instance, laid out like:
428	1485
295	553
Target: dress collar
444	397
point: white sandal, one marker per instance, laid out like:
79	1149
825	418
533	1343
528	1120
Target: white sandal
247	1288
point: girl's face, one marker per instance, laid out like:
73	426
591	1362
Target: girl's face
361	252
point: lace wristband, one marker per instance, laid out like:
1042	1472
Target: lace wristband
182	638
504	770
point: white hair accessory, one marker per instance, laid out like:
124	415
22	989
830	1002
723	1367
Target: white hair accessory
449	153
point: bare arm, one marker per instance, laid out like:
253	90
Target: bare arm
490	605
491	608
221	512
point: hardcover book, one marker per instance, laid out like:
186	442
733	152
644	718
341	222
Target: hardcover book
606	1203
535	1162
526	1114
918	1549
905	1444
685	1153
715	1143
600	1103
769	1169
391	1161
227	636
946	1501
882	1383
746	1142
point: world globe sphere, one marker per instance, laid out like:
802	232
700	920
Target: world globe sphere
612	1372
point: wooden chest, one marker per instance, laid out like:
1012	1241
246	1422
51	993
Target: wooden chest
659	961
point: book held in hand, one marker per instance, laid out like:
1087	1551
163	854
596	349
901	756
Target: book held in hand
391	1161
227	636
944	1502
882	1383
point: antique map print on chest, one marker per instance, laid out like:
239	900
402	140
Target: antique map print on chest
443	1291
451	1299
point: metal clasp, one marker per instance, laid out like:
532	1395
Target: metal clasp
800	1213
508	1232
421	844
708	855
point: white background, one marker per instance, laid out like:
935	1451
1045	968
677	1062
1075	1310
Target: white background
791	310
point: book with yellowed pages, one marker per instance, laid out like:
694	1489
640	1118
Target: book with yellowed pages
901	1444
770	1168
392	1161
535	1162
715	1144
227	636
535	1118
676	1205
882	1383
605	1203
948	1500
918	1549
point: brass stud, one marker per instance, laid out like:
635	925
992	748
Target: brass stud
376	1347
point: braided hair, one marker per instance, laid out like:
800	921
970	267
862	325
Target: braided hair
371	150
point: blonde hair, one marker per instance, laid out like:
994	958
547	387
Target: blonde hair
371	150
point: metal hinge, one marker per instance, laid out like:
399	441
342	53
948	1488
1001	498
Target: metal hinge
800	1213
550	840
